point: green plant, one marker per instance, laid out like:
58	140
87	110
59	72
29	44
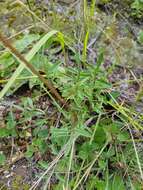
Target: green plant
90	144
2	158
92	147
137	8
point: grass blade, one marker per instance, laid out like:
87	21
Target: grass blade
28	57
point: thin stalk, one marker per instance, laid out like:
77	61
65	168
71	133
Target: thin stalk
70	164
136	153
95	128
86	174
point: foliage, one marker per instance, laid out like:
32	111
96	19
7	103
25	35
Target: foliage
94	133
137	7
2	158
86	90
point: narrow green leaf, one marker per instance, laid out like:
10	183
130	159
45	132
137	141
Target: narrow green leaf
28	57
2	158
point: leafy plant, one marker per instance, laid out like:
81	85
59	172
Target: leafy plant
2	158
140	37
89	144
137	7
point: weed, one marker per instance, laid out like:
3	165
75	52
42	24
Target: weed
90	144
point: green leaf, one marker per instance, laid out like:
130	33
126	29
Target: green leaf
113	128
99	61
86	151
117	183
115	94
43	133
28	57
82	131
101	84
2	158
43	146
4	132
11	123
100	135
63	164
59	137
110	153
30	103
6	60
94	183
59	132
43	164
30	151
124	136
102	163
140	37
25	41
